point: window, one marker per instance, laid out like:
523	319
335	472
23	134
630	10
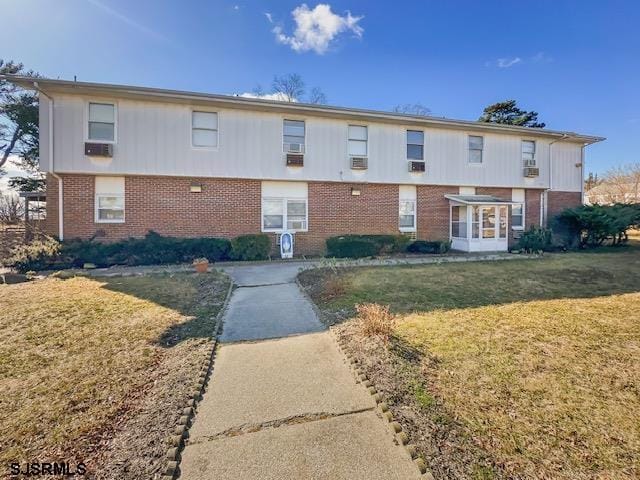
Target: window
502	227
407	215
529	153
278	212
109	202
459	221
415	145
204	129
293	136
475	149
102	122
517	216
475	222
358	136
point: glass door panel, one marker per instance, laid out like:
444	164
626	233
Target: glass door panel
488	216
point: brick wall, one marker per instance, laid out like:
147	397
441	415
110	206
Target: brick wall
334	211
231	207
558	201
433	211
224	208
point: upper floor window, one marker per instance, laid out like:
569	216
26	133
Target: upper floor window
415	145
529	153
204	129
358	137
476	144
102	122
293	134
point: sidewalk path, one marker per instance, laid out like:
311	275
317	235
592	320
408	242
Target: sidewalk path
281	403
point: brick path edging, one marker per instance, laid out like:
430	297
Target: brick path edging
176	439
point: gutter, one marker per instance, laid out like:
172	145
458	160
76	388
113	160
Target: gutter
36	86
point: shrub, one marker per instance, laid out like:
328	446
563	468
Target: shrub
359	246
37	255
153	249
535	239
376	320
250	247
423	246
593	225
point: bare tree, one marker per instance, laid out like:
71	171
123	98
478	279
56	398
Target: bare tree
413	109
621	184
11	209
290	86
317	96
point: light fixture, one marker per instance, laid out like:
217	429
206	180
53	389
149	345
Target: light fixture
195	188
355	192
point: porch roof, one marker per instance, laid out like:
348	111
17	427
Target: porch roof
478	200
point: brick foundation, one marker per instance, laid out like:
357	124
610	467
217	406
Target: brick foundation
231	207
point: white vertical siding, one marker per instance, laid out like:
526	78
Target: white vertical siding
155	139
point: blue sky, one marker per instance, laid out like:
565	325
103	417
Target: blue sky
575	62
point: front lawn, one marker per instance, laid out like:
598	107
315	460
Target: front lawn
97	370
519	369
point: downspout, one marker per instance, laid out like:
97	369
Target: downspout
52	165
546	200
582	173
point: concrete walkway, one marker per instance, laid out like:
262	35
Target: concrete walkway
281	403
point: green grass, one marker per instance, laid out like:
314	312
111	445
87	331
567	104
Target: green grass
536	359
76	353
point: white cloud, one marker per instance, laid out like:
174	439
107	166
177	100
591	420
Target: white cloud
11	169
508	62
281	97
316	29
269	17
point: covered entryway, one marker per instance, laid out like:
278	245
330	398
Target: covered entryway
478	223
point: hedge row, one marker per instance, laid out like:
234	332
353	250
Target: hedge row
153	249
359	246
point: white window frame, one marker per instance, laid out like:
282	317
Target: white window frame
366	141
469	150
535	149
422	145
115	121
513	225
285	215
413	202
217	130
304	143
98	196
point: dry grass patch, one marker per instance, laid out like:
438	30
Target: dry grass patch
523	369
79	355
547	388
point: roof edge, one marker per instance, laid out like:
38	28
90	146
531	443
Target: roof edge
325	110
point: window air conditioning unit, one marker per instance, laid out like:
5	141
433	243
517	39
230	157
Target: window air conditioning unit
416	166
359	163
98	149
294	147
295	160
297	225
531	172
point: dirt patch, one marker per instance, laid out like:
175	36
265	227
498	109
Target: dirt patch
401	374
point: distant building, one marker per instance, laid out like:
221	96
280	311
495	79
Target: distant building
608	193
